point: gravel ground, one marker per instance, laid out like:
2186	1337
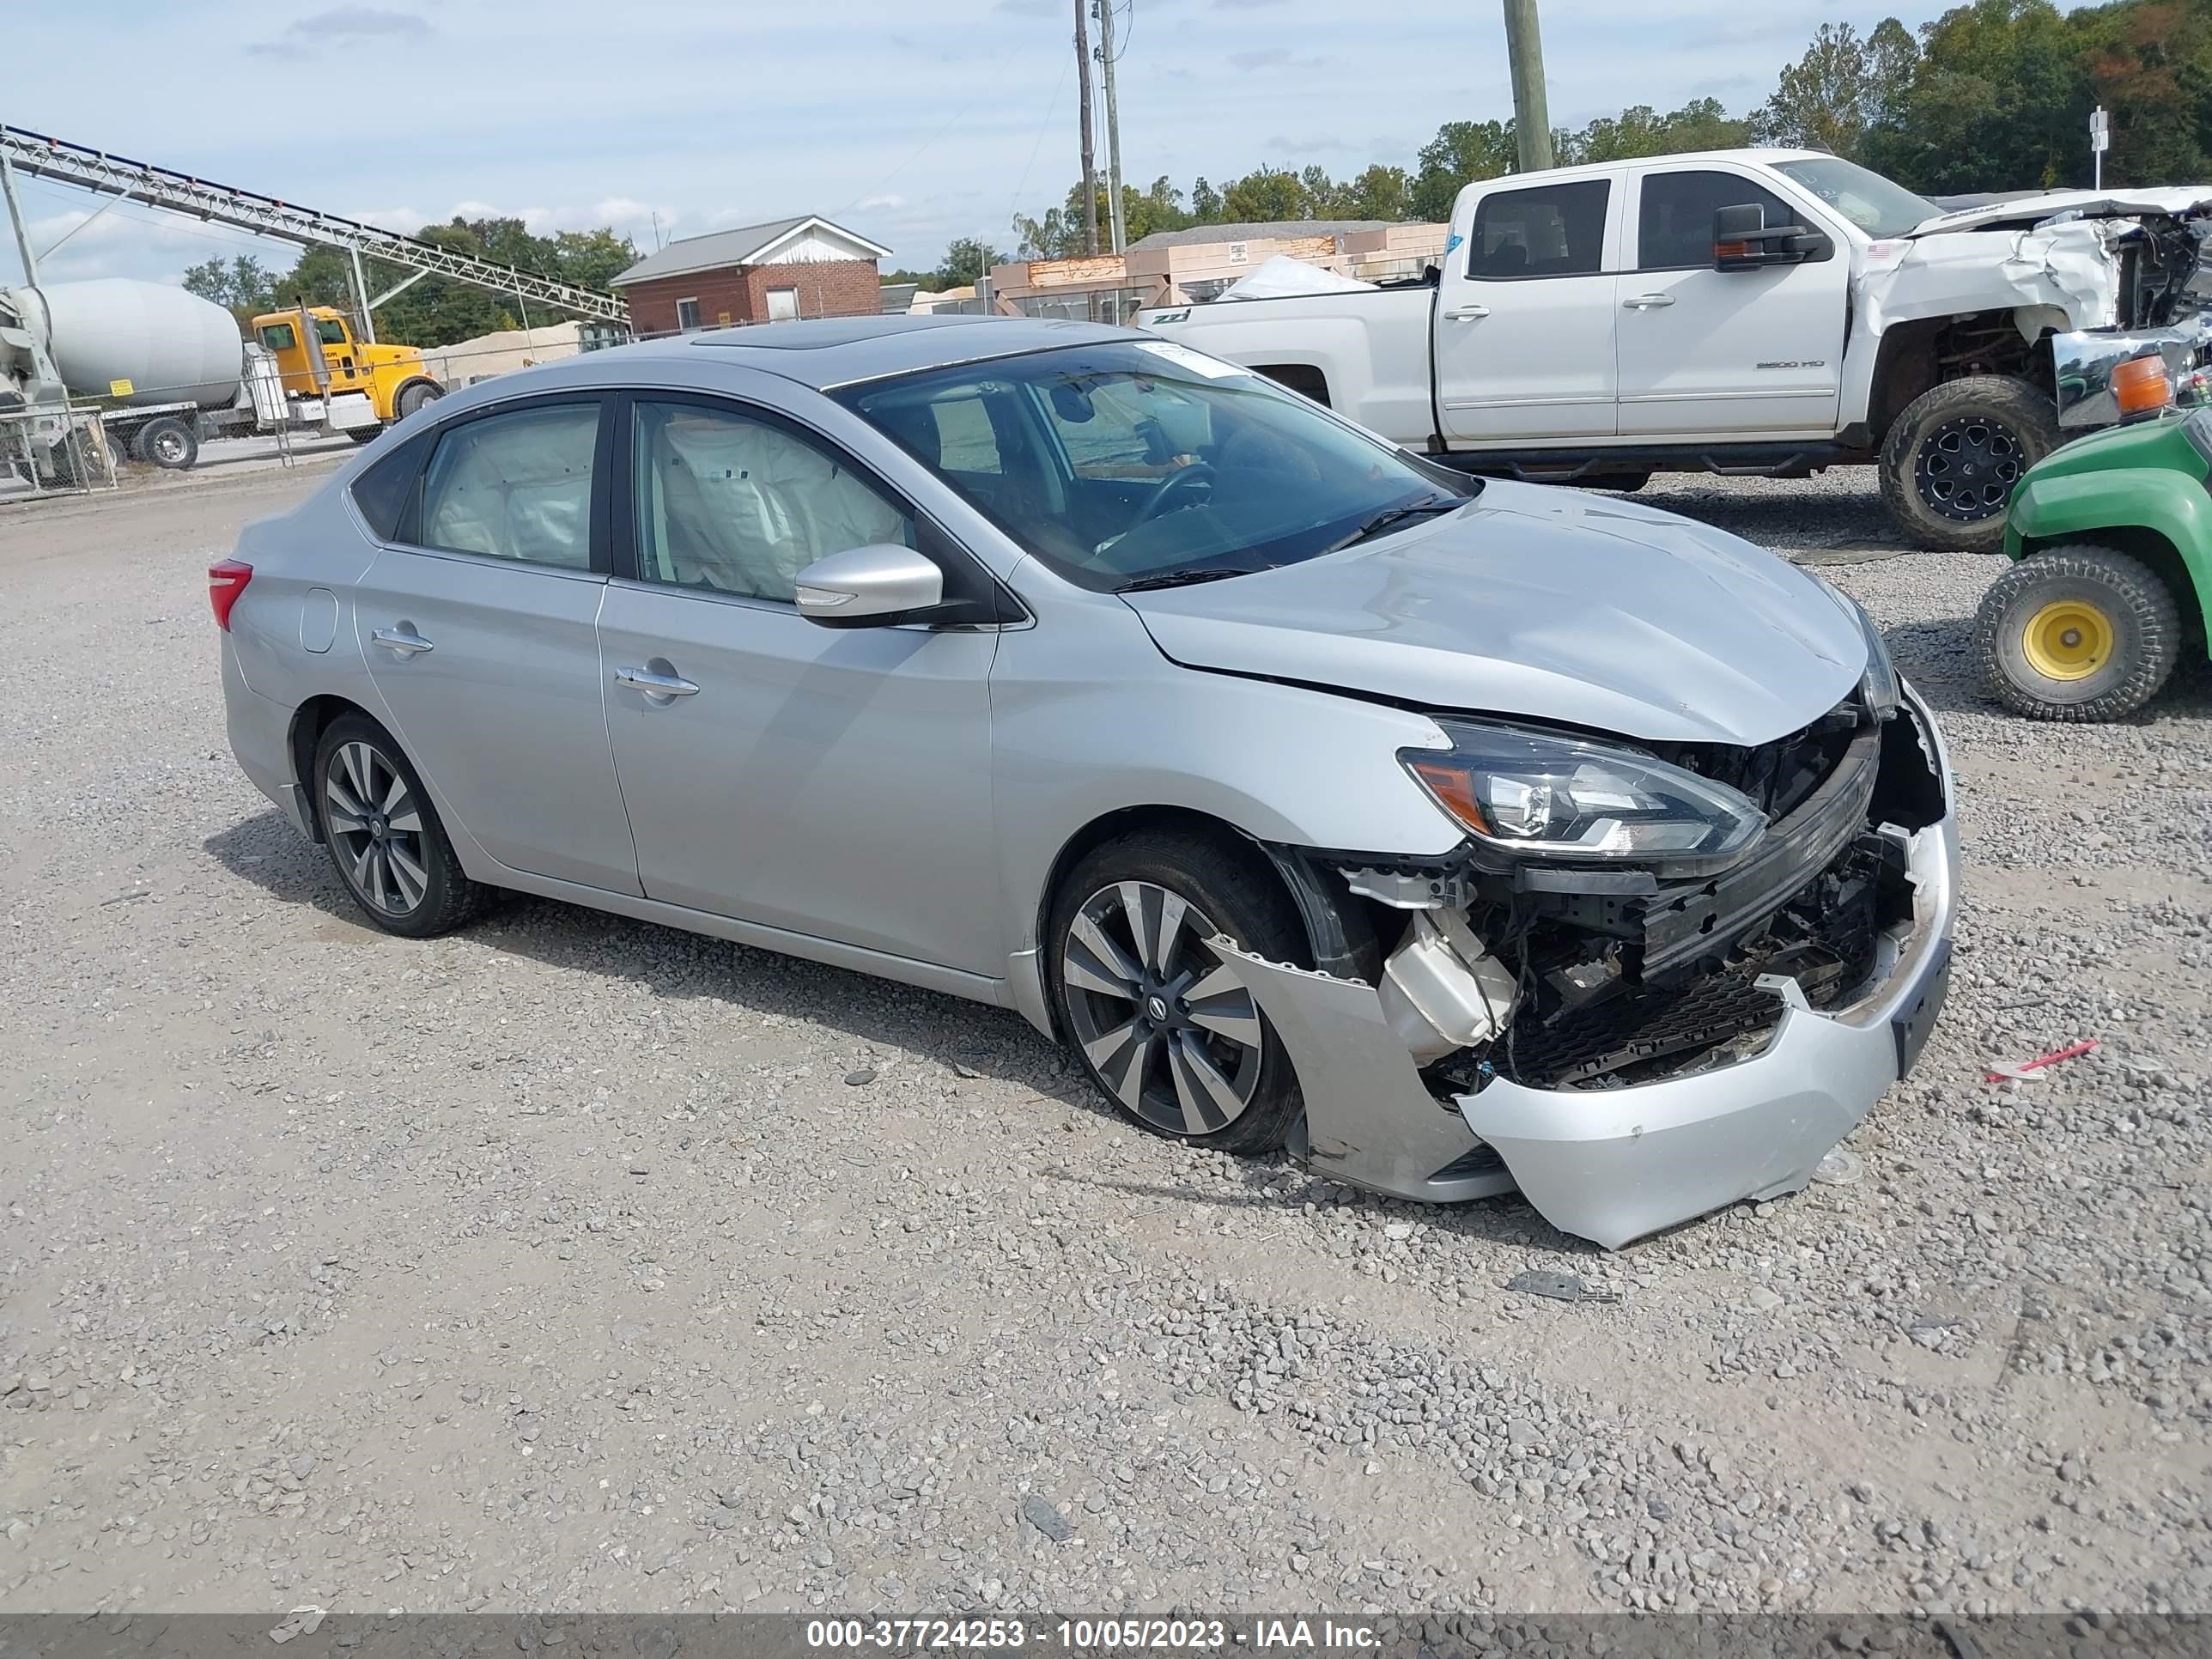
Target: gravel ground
573	1263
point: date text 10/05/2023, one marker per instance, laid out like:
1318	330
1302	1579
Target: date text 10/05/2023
1088	1635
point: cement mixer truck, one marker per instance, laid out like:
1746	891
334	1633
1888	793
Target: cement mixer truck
166	368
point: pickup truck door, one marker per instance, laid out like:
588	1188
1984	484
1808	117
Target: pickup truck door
1708	352
1527	313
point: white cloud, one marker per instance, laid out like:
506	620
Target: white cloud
879	203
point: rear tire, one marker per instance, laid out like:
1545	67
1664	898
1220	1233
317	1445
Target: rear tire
168	443
1954	456
391	852
2077	633
1171	1036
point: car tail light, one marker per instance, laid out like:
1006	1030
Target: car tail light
226	580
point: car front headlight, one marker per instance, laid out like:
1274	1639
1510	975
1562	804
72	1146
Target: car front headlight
1537	794
1878	686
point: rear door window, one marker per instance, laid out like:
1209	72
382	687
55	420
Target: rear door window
515	485
1545	230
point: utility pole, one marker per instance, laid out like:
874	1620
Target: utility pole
1112	123
1532	116
16	218
1090	161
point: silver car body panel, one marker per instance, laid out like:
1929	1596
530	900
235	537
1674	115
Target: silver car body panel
1275	705
1539	601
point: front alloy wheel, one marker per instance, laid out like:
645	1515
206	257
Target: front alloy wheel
1165	1028
1171	1032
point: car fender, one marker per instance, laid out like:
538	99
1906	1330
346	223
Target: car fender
2138	501
1089	722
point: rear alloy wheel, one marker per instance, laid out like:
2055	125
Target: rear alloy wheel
385	842
1165	1029
1955	455
2077	633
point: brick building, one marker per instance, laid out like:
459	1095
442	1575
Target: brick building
789	268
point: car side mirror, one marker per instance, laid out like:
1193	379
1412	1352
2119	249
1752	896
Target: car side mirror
1743	241
873	586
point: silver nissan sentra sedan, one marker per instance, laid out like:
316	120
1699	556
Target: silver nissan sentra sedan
1455	836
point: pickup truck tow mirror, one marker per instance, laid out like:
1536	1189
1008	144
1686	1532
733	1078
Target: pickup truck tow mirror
1743	241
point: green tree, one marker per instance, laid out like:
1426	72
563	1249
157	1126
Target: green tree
2150	66
1267	195
1999	100
1205	202
1641	130
1379	192
243	284
1843	85
1461	153
966	259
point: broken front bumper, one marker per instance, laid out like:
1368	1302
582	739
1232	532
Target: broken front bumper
1614	1164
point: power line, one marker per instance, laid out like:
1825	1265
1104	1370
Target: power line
1043	127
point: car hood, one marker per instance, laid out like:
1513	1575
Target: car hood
2022	211
1544	604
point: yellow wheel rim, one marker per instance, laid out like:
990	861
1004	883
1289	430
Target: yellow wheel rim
2067	640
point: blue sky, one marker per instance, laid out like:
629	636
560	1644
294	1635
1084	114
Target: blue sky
913	121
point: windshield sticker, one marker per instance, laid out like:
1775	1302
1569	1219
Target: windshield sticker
1196	362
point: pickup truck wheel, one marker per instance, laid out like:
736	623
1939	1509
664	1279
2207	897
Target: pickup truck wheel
167	442
2077	633
1168	1034
1953	455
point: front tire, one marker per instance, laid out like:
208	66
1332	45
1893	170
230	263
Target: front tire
2077	633
1167	1033
1954	456
414	395
385	843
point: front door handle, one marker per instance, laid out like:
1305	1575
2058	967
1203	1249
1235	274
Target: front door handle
660	687
402	641
1647	302
1467	314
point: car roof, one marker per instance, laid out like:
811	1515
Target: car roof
1754	155
828	352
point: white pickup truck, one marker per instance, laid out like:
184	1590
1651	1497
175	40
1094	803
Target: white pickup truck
1753	311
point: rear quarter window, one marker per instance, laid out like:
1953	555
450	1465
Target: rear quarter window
384	492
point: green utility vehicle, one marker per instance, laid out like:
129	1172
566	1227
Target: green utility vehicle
2112	536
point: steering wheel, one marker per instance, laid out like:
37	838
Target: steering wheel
1189	477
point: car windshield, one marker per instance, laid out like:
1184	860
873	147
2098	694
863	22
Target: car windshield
1869	201
1138	463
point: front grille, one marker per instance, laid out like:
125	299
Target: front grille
1824	939
1778	776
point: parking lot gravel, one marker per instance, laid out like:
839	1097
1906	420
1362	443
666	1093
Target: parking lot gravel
573	1263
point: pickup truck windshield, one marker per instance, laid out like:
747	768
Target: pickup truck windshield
1131	463
1869	201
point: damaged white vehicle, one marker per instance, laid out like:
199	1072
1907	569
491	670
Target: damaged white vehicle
1455	836
1749	312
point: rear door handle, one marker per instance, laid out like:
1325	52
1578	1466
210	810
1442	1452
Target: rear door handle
661	688
402	641
1467	314
1647	302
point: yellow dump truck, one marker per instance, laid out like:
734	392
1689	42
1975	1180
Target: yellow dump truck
317	357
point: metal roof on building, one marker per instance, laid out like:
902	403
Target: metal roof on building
719	249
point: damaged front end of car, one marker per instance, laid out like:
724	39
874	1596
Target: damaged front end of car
1683	992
